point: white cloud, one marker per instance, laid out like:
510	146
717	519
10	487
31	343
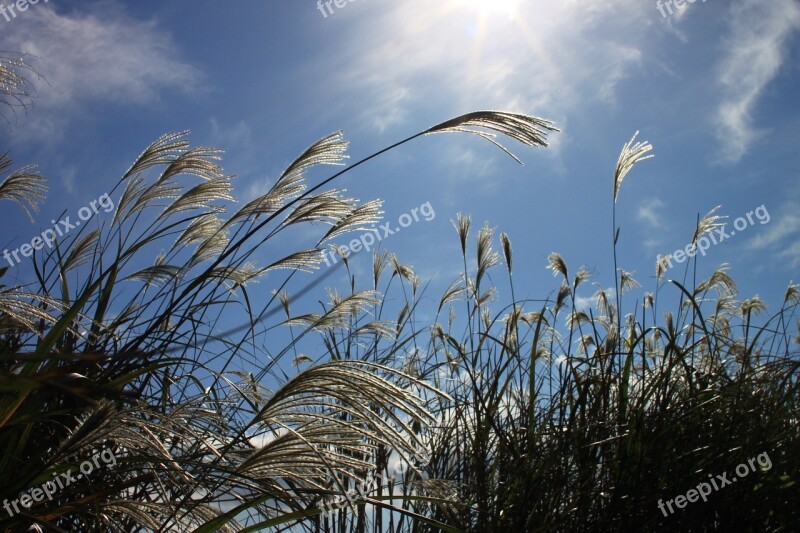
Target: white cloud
390	108
549	59
788	225
756	50
626	58
101	55
792	254
590	302
780	236
235	135
648	212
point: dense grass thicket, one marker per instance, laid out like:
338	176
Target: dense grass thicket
501	415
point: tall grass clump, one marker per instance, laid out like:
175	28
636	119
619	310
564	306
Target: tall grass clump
566	418
499	414
112	343
561	417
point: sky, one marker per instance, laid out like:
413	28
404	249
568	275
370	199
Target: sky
713	86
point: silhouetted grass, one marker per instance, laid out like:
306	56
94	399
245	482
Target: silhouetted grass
535	415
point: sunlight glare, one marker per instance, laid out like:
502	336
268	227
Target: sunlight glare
490	7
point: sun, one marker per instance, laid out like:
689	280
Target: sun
487	8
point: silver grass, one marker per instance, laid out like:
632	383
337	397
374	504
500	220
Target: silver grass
200	229
134	188
300	359
453	292
159	516
300	453
401	270
382	328
284	299
511	321
584	343
25	186
330	150
486	313
792	295
339	251
356	388
662	265
533	318
202	196
304	260
531	131
380	260
16	90
708	223
576	318
401	316
557	264
486	297
362	218
563	293
163	190
340	313
752	305
159	274
17	307
506	244
724	305
602	302
603	323
462	225
669	323
649	300
211	247
626	281
543	353
240	276
199	161
720	281
631	154
161	152
82	250
284	191
329	206
487	257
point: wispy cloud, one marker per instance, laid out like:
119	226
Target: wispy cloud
792	254
626	58
97	55
782	226
550	58
781	237
649	212
584	303
787	226
226	136
756	45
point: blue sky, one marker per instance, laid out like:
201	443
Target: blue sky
714	88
